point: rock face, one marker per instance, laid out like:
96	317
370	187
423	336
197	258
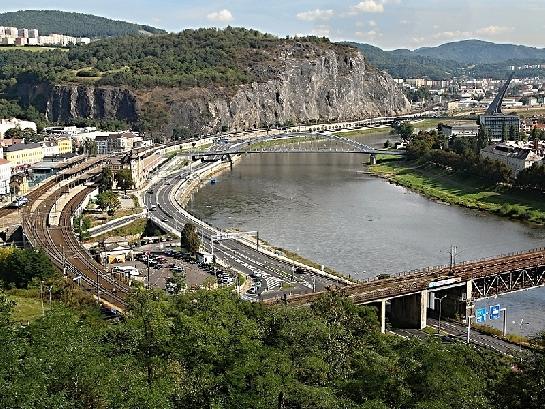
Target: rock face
308	85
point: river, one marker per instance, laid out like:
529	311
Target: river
327	208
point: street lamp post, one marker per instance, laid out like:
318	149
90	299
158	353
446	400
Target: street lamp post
520	344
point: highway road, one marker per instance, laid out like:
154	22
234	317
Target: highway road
276	276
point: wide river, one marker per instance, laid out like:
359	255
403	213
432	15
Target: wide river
327	208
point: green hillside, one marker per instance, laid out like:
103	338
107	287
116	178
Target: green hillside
481	52
74	24
475	58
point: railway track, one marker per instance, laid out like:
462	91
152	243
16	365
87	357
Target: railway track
64	248
35	194
418	281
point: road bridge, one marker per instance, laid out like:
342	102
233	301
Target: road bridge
409	296
337	144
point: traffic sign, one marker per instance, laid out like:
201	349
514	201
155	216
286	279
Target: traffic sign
494	312
480	315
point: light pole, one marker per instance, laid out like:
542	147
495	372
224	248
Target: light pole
520	344
440	305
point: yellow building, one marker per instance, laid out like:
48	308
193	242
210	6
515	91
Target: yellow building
24	154
65	145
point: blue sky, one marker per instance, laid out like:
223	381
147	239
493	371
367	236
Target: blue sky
386	23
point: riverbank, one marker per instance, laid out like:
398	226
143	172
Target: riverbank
461	190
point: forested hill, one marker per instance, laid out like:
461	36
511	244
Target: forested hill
200	57
480	52
471	57
74	24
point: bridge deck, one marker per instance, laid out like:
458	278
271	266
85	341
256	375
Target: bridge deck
410	283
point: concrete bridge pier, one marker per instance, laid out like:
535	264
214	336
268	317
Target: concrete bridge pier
452	302
410	311
381	313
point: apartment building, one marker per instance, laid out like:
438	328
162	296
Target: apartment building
5	176
24	154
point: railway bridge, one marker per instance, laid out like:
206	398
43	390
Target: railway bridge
408	297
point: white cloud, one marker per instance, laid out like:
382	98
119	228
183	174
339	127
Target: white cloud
367	35
493	30
317	14
369	6
484	31
222	16
372	23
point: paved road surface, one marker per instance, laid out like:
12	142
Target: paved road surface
277	276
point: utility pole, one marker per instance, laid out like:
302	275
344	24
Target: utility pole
147	260
42	297
453	252
469	308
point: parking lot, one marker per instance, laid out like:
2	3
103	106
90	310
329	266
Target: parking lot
164	263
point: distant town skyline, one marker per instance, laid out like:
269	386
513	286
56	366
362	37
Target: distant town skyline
388	24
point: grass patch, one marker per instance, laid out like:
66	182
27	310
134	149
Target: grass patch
364	132
495	332
463	190
28	307
134	228
31	49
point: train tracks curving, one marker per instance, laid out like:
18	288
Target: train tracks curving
64	248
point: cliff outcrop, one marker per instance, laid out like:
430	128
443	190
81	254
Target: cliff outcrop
304	83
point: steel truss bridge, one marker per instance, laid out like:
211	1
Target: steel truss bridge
488	278
292	143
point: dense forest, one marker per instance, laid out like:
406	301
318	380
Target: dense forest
191	58
449	60
74	24
210	349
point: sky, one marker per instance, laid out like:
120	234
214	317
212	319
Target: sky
388	24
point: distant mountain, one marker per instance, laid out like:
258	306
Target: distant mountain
469	57
405	64
74	24
481	52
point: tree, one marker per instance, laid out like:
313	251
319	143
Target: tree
106	180
108	201
504	133
16	133
19	267
190	239
181	133
82	225
89	147
124	180
404	129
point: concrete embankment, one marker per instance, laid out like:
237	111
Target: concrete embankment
182	193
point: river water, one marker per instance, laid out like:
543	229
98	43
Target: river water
327	208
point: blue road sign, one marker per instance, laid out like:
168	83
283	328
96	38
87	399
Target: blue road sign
494	312
480	315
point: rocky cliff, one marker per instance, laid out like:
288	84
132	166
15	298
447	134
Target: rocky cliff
305	83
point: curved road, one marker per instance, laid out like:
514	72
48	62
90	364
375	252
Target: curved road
276	276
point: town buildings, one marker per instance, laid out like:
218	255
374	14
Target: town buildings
24	154
516	155
500	126
116	142
460	129
30	36
5	176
